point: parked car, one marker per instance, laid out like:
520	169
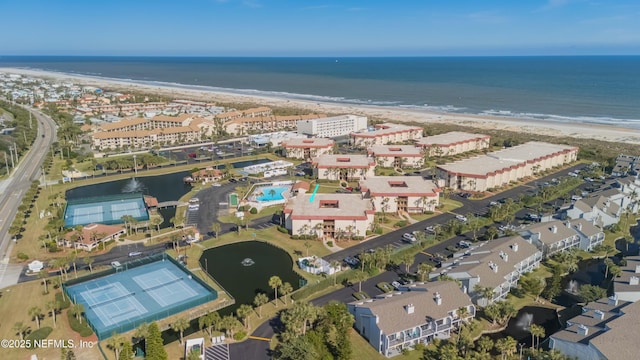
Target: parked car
408	237
135	253
216	184
461	218
430	229
464	244
396	285
232	180
116	264
493	203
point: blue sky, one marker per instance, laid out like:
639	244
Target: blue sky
319	28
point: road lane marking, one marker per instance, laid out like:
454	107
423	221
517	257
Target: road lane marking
259	338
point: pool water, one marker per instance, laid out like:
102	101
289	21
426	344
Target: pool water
269	195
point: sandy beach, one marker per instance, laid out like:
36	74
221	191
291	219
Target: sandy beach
532	126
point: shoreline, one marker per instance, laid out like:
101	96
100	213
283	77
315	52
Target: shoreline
579	130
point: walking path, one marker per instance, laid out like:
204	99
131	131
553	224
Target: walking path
333	248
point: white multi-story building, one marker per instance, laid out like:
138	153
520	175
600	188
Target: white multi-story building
497	264
397	156
329	215
397	321
387	133
502	167
626	286
555	236
344	167
452	143
332	126
410	194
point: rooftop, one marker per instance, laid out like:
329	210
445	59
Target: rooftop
387	129
450	138
620	341
308	143
392	313
343	161
625	282
398	186
395	150
551	232
329	207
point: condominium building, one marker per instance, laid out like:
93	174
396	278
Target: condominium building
497	264
260	124
410	194
502	167
555	236
386	133
332	126
253	112
397	156
307	148
145	138
452	143
397	321
626	286
344	167
328	215
604	330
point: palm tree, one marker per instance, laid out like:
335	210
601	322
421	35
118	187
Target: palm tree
285	290
424	269
53	306
77	310
537	332
608	263
115	342
307	246
20	328
463	313
157	221
36	313
44	274
179	326
216	227
334	265
486	293
244	312
89	260
506	346
407	259
173	222
258	301
275	282
209	321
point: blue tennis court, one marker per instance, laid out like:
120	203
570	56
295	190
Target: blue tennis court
105	209
123	300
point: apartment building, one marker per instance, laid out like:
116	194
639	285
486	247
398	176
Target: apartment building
604	330
626	286
329	215
397	156
144	138
260	124
397	321
92	235
343	167
306	149
502	167
409	194
453	143
386	133
331	127
253	112
497	264
598	209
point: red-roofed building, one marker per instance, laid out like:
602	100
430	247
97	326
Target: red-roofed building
150	201
92	235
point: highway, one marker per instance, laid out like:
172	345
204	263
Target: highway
27	170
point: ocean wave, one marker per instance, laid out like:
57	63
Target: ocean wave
601	120
435	108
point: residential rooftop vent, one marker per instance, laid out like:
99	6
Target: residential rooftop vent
634	280
437	298
613	300
410	309
583	330
637	269
514	247
598	314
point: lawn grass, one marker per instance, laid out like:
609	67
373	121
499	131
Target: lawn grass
361	349
14	307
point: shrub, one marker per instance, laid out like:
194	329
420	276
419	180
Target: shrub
81	328
22	256
283	230
239	335
358	238
401	223
295	237
39	334
378	230
63	302
253	211
368	232
241	208
330	243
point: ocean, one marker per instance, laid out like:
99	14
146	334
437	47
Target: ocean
595	89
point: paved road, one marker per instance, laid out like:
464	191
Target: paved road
19	182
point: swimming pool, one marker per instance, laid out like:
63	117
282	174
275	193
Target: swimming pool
271	193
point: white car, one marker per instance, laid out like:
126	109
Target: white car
408	237
461	218
116	264
396	285
430	229
216	184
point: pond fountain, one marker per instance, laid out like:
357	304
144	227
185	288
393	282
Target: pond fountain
133	186
524	321
243	269
572	287
518	327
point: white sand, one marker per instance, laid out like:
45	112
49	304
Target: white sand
532	126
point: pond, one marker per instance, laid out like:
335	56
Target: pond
164	187
241	164
518	327
243	269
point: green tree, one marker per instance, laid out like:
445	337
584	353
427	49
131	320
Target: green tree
589	293
424	269
537	332
244	312
36	313
491	233
486	293
209	322
179	326
258	301
89	261
275	282
485	344
285	290
154	345
20	328
53	307
115	343
506	346
127	351
77	310
307	246
44	275
216	227
407	259
533	285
